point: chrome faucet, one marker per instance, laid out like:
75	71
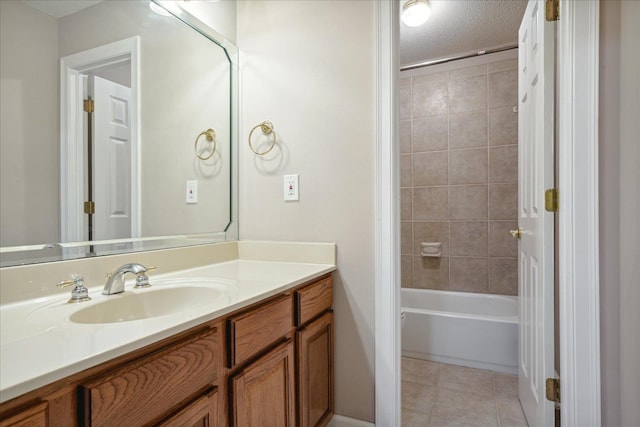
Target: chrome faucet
115	280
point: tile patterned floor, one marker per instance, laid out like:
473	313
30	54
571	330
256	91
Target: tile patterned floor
440	395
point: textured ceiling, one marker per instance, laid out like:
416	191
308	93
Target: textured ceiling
460	27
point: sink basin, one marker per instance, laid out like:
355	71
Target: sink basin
154	302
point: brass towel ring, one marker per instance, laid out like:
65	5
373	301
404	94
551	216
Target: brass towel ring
267	128
210	135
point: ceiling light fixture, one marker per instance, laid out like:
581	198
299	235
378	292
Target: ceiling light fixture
415	12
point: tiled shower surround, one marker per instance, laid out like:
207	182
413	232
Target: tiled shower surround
459	171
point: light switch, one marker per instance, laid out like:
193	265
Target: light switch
192	192
291	187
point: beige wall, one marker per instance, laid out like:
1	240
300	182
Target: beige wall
609	166
619	211
29	149
629	212
459	174
309	67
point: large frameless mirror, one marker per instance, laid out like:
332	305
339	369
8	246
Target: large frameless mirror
118	126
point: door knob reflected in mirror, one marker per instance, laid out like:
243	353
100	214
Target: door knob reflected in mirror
516	234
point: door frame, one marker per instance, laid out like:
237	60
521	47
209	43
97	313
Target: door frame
387	217
578	32
72	150
578	103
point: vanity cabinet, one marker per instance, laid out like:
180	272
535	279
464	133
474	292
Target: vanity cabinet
269	364
262	391
172	382
297	331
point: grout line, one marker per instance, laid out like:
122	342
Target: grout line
495	399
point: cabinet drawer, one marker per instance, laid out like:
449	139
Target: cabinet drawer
312	300
257	328
35	416
149	388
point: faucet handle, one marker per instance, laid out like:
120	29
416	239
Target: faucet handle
75	280
142	281
80	293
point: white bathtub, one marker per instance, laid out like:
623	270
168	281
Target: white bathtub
460	328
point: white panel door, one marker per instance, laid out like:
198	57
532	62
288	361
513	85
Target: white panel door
535	249
111	160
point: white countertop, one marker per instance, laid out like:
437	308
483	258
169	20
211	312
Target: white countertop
40	345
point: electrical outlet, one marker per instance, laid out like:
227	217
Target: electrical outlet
192	192
291	187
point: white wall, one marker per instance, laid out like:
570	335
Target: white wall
29	149
309	67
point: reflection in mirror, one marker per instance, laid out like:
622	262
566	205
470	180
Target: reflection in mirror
104	117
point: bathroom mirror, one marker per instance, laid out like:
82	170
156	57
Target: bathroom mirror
117	129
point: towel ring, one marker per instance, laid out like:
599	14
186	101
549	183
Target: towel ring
267	128
210	135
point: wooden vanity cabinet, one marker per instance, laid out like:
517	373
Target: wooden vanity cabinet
270	364
288	343
156	385
261	354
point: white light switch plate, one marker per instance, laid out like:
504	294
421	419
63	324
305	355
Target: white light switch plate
192	192
291	187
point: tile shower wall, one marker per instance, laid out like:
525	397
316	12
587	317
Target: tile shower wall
459	171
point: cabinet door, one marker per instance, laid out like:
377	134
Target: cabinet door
315	372
201	413
263	393
35	416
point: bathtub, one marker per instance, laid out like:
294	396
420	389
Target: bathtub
460	328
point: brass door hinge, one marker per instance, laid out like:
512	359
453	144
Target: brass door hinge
553	389
552	10
88	105
551	200
89	207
